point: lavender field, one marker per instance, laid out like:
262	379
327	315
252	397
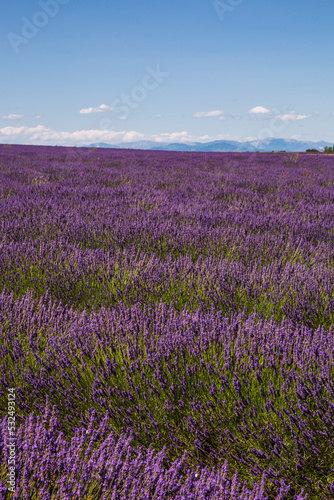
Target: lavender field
166	321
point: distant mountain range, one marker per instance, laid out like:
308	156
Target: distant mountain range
288	145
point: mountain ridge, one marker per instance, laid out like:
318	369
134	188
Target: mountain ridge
266	145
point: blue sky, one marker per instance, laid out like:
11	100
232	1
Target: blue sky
77	71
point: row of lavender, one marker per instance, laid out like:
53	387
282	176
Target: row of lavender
201	288
114	470
256	394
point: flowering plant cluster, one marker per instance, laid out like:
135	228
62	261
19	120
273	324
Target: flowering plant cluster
166	322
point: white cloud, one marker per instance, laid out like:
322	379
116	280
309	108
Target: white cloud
259	110
12	117
99	109
204	114
250	139
292	116
297	137
41	135
172	137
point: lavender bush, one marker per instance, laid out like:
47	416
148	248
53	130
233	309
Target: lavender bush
166	320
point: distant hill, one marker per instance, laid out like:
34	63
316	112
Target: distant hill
266	145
